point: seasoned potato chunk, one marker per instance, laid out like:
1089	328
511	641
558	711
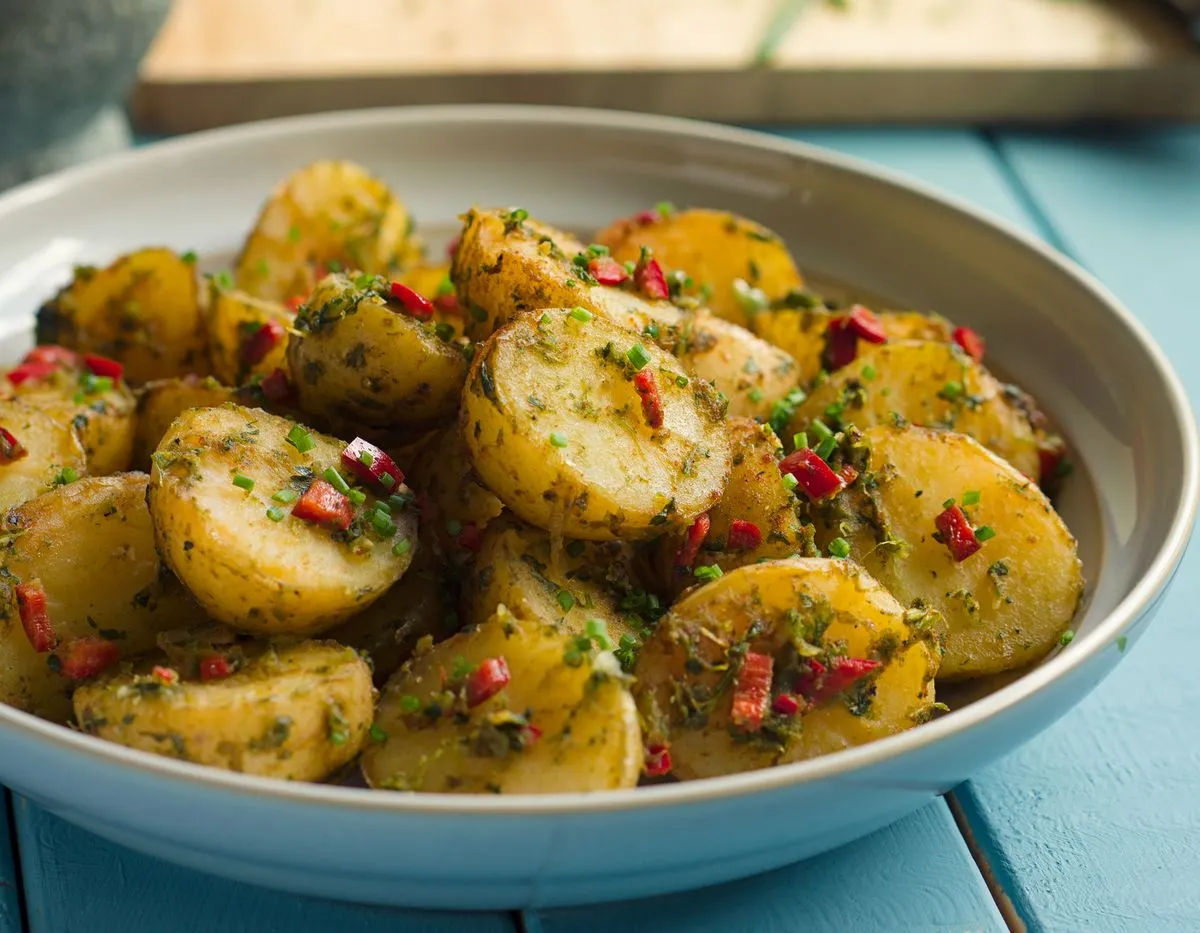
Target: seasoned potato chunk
242	514
1005	605
295	712
557	429
512	707
37	452
780	661
88	549
246	335
455	506
162	401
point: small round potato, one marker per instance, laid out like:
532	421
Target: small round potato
46	447
162	401
295	712
557	429
223	491
238	347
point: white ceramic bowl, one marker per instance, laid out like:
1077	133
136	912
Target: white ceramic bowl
1050	326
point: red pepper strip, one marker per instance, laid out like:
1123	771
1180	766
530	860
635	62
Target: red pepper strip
813	474
35	619
53	354
373	472
657	761
532	735
86	657
752	691
841	345
103	366
36	372
971	342
957	533
215	667
487	680
11	449
277	387
166	675
652	406
822	683
645	218
743	535
865	324
255	348
295	303
649	279
607	271
452	247
414	303
447	304
785	705
321	504
696	534
471	537
848	474
1051	454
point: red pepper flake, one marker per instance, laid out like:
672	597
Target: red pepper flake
821	684
471	537
971	342
31	372
1051	454
103	366
35	619
487	680
646	218
866	324
278	388
531	735
813	474
696	534
54	355
256	347
86	657
321	504
11	449
371	465
606	270
447	304
752	691
295	303
785	705
647	388
215	667
844	332
848	474
957	533
414	303
649	279
165	675
657	762
743	535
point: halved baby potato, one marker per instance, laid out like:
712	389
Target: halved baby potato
37	452
162	401
246	335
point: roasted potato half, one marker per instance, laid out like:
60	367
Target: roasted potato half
143	310
243	515
162	401
246	335
37	452
1005	605
80	587
557	429
779	661
296	712
512	707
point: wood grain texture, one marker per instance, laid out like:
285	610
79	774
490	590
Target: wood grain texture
1096	824
10	895
77	881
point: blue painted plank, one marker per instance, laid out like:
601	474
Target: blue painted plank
915	875
76	881
1096	824
10	891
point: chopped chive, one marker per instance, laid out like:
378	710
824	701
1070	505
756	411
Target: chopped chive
597	249
243	482
398	503
970	497
544	320
637	356
839	547
189	257
665	209
333	265
365	457
949	504
364	281
558	440
1067	637
708	573
825	448
334	479
790	481
800	440
820	431
400	548
750	298
566	601
869	372
383	523
630	266
583	315
409	703
597	631
301	439
387	480
275	513
378	734
951	390
294	234
985	533
66	476
454	527
756	395
286	496
357	496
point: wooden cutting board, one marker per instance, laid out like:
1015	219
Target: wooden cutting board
228	61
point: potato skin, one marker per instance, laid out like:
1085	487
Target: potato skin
162	401
255	574
1003	607
143	310
233	317
51	445
787	609
557	431
91	547
296	712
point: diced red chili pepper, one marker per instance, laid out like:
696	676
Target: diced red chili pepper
447	304
647	388
743	535
452	247
971	342
1051	454
957	533
645	218
657	761
321	504
848	474
866	324
821	684
81	658
31	372
785	705
471	537
813	475
35	618
649	279
487	680
752	691
103	366
371	465
165	675
414	303
11	449
52	354
532	735
255	348
696	534
277	387
606	270
841	345
295	303
215	667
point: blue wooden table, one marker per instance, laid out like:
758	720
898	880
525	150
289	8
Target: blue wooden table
1093	826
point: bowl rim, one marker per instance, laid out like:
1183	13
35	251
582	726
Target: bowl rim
1083	648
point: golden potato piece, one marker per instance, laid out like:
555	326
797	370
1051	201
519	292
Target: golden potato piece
143	310
1005	605
89	548
326	216
223	491
46	452
557	430
162	401
296	712
238	345
821	632
512	707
